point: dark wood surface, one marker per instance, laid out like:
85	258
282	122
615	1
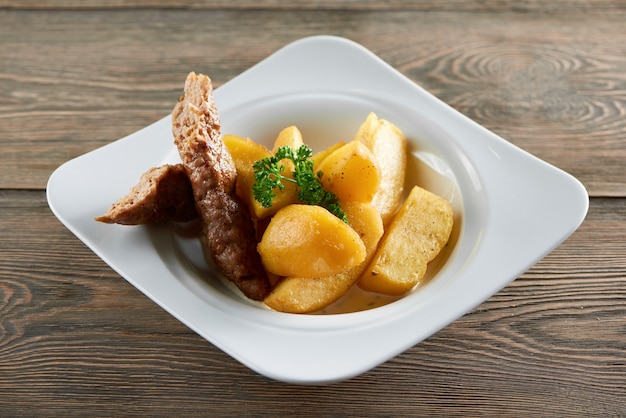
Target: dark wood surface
77	339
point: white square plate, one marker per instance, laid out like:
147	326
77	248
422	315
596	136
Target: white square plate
511	209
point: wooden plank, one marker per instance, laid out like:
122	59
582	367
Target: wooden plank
81	79
423	5
75	338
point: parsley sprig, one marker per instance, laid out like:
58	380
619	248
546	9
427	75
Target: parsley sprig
268	175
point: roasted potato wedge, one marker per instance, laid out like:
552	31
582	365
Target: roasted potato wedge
245	153
418	232
309	241
320	156
290	137
310	294
351	172
389	146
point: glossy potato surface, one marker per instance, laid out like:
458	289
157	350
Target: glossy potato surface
245	152
351	172
309	241
310	294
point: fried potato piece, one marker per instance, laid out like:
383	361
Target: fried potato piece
310	294
288	137
320	156
418	232
389	146
309	241
351	172
245	152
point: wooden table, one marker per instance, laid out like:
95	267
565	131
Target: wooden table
77	339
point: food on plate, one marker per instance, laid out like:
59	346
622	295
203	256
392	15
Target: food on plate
321	155
418	232
289	228
388	144
228	234
310	294
270	177
245	152
162	194
351	172
309	241
288	137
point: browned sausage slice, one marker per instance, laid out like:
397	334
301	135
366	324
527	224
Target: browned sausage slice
228	233
162	194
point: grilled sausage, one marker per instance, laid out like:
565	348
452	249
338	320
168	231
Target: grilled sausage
228	233
162	194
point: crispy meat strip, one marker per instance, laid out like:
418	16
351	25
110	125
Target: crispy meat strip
162	194
228	233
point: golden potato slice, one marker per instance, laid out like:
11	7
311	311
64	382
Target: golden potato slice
309	241
389	146
418	232
245	153
367	129
310	294
320	156
290	136
351	172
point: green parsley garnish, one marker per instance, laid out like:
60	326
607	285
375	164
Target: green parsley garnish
268	176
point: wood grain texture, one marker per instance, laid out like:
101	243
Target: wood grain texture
78	340
85	342
424	5
556	87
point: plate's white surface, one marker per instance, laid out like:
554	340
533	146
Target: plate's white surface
511	209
